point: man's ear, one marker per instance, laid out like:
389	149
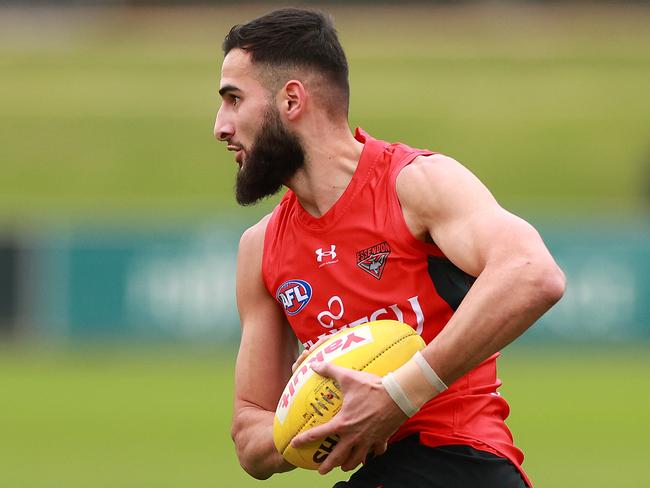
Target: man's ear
294	99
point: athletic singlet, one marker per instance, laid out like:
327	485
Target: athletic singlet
359	262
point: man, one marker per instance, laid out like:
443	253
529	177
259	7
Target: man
369	230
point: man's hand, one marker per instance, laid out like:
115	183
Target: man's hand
366	421
307	352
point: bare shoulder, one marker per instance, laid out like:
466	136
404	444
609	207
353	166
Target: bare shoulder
434	188
444	201
436	179
250	287
252	240
433	165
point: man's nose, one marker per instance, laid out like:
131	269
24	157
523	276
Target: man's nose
223	130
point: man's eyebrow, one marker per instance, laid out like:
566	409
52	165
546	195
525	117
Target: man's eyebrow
227	89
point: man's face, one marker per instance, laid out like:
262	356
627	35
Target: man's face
248	120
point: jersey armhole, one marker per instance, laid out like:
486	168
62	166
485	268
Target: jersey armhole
396	213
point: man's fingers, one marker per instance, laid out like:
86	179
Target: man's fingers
306	353
330	370
352	447
355	458
313	434
380	448
341	453
299	361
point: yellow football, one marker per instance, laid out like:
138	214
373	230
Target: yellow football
310	399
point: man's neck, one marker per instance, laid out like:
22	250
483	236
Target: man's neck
331	158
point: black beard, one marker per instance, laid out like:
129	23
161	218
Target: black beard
274	158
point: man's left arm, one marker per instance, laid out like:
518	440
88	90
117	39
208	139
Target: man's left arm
517	278
517	282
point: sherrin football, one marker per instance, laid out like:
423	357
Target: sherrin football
310	399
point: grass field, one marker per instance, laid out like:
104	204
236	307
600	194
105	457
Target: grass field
110	113
159	417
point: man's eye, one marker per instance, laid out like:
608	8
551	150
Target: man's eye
235	100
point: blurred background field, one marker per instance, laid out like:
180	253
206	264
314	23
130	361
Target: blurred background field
109	112
118	227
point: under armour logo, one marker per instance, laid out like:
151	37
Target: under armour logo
326	257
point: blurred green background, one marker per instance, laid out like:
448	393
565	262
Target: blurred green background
106	123
109	113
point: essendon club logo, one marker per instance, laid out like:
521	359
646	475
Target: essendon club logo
373	259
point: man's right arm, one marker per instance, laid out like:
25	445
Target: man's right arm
267	350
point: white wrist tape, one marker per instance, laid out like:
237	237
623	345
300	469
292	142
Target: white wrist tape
395	391
429	373
413	384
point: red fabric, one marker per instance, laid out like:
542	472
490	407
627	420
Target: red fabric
359	263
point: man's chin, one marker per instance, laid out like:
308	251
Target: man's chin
249	201
248	198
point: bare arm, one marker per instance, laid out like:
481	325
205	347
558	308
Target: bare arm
518	279
266	352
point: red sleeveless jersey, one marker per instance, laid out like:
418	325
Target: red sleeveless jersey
359	262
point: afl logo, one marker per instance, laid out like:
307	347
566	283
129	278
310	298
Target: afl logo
294	295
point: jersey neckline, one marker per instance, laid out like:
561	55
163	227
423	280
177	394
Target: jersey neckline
372	149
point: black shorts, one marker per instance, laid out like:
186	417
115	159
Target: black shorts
409	464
